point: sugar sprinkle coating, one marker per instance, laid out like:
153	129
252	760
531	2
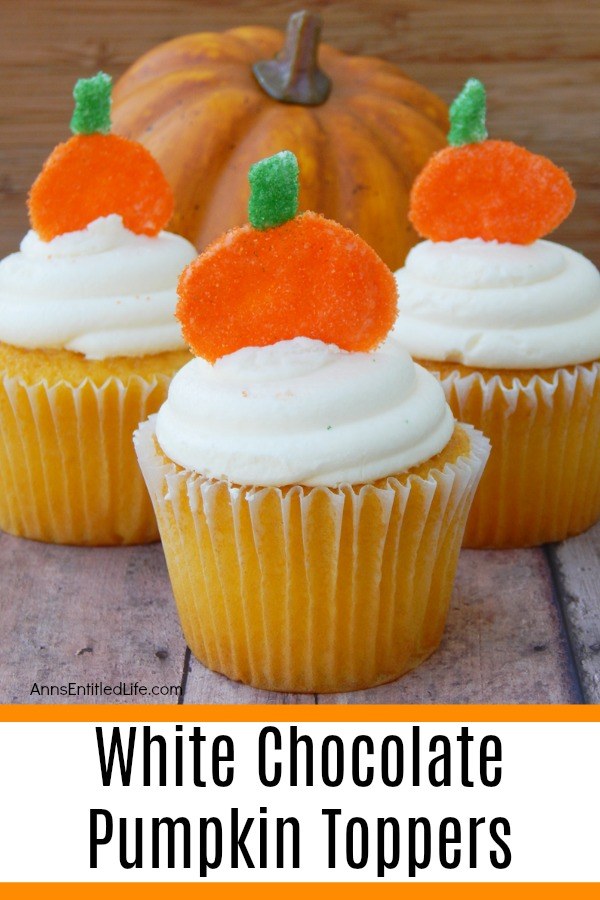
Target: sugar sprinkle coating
310	277
494	190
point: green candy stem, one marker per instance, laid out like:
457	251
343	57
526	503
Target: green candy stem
92	105
273	190
467	115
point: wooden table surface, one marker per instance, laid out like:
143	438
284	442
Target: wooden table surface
524	625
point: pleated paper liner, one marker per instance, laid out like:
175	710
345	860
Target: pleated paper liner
68	472
542	482
313	589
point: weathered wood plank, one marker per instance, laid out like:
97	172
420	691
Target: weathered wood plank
103	32
84	616
504	641
204	686
577	567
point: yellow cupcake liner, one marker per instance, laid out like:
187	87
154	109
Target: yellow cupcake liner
312	589
542	481
68	472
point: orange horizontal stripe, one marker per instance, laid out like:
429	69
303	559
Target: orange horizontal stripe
299	713
263	891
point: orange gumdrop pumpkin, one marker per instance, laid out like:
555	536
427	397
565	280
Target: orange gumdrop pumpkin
94	175
309	277
494	190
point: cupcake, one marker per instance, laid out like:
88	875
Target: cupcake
88	337
310	483
510	323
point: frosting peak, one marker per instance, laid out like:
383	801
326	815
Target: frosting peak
497	305
302	411
102	291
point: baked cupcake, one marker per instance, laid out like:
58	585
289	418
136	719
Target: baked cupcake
310	483
511	325
88	337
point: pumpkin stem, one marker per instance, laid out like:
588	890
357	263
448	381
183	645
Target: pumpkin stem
293	76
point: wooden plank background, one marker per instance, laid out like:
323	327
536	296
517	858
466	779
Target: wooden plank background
524	625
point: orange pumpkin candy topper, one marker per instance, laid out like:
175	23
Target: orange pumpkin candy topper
495	190
96	173
285	276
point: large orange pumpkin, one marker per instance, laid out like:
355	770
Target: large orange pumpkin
361	129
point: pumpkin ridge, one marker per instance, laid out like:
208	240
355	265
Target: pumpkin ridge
329	53
178	55
327	198
248	33
384	77
396	228
201	188
272	39
383	230
240	158
245	49
155	64
168	101
197	193
381	143
333	190
402	91
365	105
349	79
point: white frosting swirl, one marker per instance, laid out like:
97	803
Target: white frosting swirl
494	305
102	291
304	412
